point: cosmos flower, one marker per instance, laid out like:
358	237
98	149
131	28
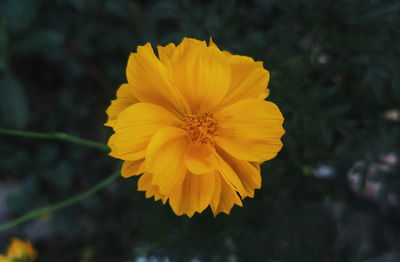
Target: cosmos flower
19	250
194	124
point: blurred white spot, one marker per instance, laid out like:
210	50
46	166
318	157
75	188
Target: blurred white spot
323	171
323	59
392	115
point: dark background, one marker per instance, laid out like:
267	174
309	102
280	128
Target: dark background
335	74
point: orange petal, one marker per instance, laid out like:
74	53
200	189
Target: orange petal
250	130
249	80
132	168
20	249
224	197
229	175
201	73
194	195
144	184
248	174
151	81
165	54
200	158
165	158
124	99
217	192
134	128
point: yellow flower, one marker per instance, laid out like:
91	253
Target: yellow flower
193	121
19	250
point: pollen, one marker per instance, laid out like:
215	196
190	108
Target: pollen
201	129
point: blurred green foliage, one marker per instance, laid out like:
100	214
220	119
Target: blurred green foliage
335	74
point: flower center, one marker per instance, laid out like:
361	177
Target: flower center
201	129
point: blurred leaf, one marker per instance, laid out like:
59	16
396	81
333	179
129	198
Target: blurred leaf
31	185
48	153
3	49
13	102
41	41
326	133
78	4
60	177
19	14
65	222
384	10
22	202
118	8
92	203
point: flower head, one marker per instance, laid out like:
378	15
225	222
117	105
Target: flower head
19	250
194	124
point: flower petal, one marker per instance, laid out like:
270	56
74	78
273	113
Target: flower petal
126	91
165	53
229	175
194	195
200	158
151	81
224	197
18	249
132	168
124	99
144	184
165	158
135	127
249	80
250	130
248	174
201	73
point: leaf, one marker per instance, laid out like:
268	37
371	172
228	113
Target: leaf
326	133
43	42
384	10
19	14
13	102
3	49
61	176
22	201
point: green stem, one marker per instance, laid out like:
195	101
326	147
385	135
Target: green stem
62	204
56	136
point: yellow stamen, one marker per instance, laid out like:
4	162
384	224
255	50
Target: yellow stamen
201	129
